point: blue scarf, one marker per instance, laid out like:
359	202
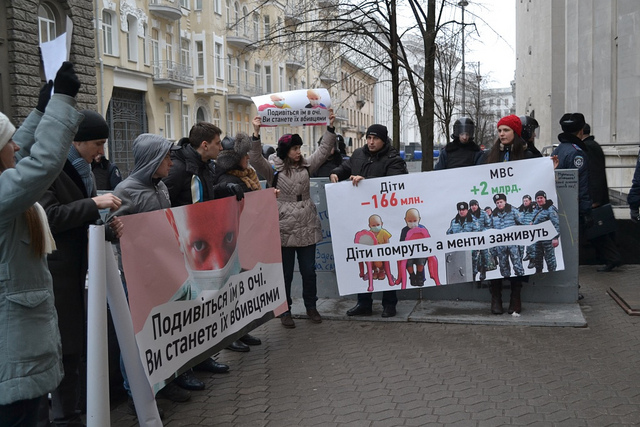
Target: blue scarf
82	167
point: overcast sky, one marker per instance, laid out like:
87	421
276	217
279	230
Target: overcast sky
492	41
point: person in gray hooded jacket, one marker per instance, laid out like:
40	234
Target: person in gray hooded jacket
144	191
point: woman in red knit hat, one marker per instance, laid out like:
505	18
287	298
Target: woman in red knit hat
509	147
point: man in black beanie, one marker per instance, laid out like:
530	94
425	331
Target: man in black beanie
376	159
72	205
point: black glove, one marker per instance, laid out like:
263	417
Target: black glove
45	96
235	189
635	215
67	82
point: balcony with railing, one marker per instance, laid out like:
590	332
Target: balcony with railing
240	36
295	59
172	75
292	15
167	9
342	115
329	76
241	92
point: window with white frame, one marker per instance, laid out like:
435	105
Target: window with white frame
281	78
228	11
217	7
231	120
155	46
216	117
245	21
132	38
219	61
229	65
267	78
145	44
291	83
108	33
185	52
236	66
185	4
267	25
168	129
169	47
46	23
257	76
245	70
236	14
185	118
197	5
199	59
256	26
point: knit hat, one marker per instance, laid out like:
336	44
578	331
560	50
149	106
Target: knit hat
541	193
572	122
526	196
462	205
6	130
378	130
474	202
92	127
286	143
513	122
500	196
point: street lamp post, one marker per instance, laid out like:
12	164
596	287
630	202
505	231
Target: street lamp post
463	4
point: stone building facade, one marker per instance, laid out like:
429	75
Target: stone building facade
21	74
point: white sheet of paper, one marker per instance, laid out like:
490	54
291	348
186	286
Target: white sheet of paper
56	51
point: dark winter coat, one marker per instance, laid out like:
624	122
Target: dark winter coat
189	170
572	155
456	154
385	162
70	211
633	198
598	188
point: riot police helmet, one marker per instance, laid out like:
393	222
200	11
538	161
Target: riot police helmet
530	127
463	125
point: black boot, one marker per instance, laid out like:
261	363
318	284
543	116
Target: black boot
515	304
496	296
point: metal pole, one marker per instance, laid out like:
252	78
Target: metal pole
462	4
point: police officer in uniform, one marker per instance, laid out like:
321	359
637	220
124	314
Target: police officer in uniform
572	155
546	248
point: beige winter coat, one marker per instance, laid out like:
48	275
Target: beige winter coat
299	221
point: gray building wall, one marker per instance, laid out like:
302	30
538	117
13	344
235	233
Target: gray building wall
21	74
582	55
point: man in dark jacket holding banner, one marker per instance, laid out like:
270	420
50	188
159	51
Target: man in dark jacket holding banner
376	159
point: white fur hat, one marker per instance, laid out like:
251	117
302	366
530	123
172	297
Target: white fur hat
6	130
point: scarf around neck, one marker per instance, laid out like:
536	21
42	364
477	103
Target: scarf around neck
82	167
248	176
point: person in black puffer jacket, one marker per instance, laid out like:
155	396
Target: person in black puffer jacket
376	159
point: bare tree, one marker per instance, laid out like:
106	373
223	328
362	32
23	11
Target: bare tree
368	29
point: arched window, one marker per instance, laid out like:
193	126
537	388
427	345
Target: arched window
201	115
46	23
109	33
236	11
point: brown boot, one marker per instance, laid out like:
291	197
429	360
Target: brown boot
496	296
515	304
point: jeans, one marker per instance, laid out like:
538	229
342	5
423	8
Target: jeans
307	265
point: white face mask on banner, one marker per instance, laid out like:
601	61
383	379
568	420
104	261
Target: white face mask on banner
213	280
412	224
